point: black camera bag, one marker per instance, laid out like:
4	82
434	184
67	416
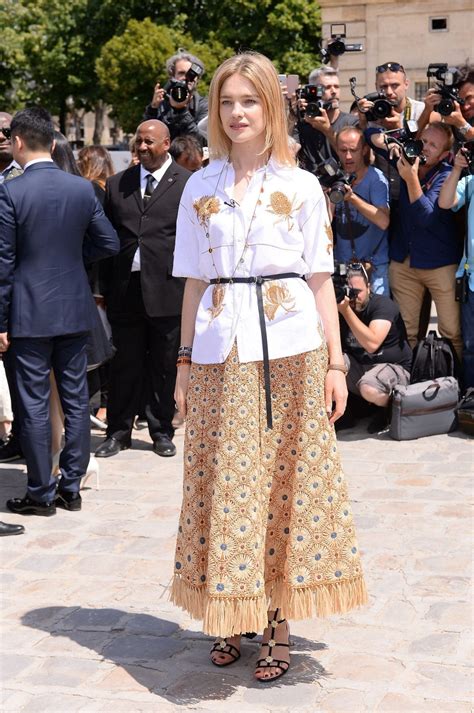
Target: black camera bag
465	412
433	357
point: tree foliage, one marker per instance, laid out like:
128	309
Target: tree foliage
115	49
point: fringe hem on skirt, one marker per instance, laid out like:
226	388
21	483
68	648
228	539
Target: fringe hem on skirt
227	616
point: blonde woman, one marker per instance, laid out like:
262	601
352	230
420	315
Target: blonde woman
266	532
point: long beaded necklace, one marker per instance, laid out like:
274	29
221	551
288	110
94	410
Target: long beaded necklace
218	291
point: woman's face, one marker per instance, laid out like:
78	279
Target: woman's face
241	111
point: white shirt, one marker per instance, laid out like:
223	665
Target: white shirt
37	160
157	175
290	233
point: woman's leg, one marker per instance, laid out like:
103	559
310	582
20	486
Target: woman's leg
226	651
56	416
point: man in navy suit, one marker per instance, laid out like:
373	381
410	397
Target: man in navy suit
50	223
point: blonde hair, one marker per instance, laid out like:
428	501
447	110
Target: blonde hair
260	71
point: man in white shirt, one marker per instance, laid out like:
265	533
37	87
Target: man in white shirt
8	166
143	299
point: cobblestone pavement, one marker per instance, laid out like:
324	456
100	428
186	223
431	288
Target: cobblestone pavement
87	625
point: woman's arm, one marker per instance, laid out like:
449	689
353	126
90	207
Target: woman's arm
335	384
193	292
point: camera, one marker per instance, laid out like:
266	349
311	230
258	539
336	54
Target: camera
412	148
337	45
446	78
333	178
467	150
179	90
382	107
341	287
312	94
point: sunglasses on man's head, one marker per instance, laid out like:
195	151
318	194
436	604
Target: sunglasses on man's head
7	132
358	267
390	67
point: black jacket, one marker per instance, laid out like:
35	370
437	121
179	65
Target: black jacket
180	122
153	228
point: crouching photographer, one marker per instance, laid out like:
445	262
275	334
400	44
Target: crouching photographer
362	214
178	104
374	343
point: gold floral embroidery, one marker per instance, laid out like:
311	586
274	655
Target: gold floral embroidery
330	238
205	207
218	294
276	294
282	206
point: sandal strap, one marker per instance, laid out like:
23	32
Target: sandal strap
263	663
218	647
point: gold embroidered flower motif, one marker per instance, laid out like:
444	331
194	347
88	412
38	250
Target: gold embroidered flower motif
205	207
218	294
282	206
330	238
276	294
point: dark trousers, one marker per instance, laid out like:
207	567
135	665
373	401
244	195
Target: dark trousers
33	359
147	347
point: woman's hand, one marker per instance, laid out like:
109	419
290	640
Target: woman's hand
335	391
181	388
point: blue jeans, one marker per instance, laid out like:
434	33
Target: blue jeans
467	331
379	280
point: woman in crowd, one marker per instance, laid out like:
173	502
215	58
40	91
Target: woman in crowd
266	532
96	165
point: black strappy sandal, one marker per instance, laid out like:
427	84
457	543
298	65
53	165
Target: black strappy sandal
223	647
269	661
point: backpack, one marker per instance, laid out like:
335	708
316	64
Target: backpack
433	357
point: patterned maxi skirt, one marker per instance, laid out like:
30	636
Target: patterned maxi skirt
265	519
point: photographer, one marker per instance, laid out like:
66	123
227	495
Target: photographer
362	219
455	193
317	135
374	343
424	252
462	118
180	116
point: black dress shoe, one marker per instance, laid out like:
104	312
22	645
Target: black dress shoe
110	447
10	450
68	501
27	506
164	446
6	529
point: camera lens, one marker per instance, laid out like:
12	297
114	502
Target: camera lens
179	92
382	108
445	107
337	192
313	110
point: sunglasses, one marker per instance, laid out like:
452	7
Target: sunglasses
358	267
7	132
390	67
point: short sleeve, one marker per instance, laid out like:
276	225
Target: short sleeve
186	251
379	193
461	192
316	228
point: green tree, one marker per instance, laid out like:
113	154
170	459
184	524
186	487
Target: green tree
130	64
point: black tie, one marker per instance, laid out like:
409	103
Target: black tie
149	188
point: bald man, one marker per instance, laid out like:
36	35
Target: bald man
143	299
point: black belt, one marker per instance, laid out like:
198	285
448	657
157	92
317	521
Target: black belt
258	282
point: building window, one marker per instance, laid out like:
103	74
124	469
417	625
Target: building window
438	24
420	90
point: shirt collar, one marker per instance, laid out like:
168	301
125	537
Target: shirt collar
11	165
158	174
215	167
37	160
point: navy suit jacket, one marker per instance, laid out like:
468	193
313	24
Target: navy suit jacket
50	224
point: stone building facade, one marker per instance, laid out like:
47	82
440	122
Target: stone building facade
414	33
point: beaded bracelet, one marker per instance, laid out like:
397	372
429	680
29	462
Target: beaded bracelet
338	367
181	361
185	351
